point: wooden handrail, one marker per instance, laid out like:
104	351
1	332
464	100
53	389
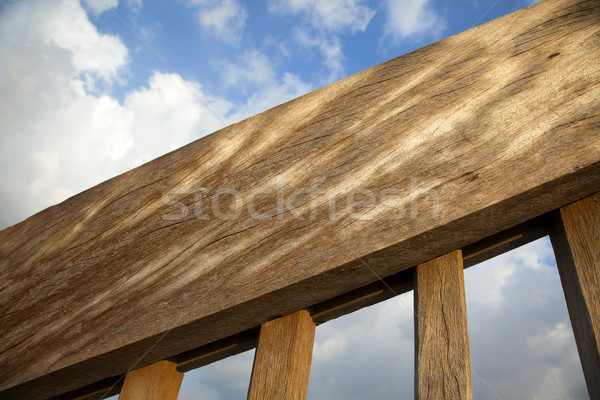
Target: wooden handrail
338	306
402	282
455	142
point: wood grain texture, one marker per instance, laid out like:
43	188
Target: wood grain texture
507	240
576	242
442	357
457	141
158	381
346	303
100	390
218	350
282	360
402	281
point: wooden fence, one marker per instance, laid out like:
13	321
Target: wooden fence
395	178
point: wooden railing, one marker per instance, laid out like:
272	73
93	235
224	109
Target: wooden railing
393	179
283	356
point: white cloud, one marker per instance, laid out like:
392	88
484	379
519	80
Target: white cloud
323	22
253	67
88	139
376	359
329	349
330	48
487	281
62	136
99	6
169	114
225	379
520	336
560	335
64	25
225	19
253	72
59	137
331	15
135	5
407	19
271	94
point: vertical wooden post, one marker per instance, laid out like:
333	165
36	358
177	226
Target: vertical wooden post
442	359
576	242
158	381
282	359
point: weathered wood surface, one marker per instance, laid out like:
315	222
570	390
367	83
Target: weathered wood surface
346	303
576	242
457	141
158	381
402	281
507	240
100	390
282	360
442	356
218	350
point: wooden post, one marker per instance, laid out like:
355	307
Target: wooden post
282	360
442	360
576	242
158	381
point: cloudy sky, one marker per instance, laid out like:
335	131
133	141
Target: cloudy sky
90	89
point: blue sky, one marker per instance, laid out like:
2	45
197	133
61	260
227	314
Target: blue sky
90	89
105	85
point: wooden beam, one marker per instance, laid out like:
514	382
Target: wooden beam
442	358
158	381
218	350
98	390
365	296
507	240
395	165
346	303
402	282
576	242
283	357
